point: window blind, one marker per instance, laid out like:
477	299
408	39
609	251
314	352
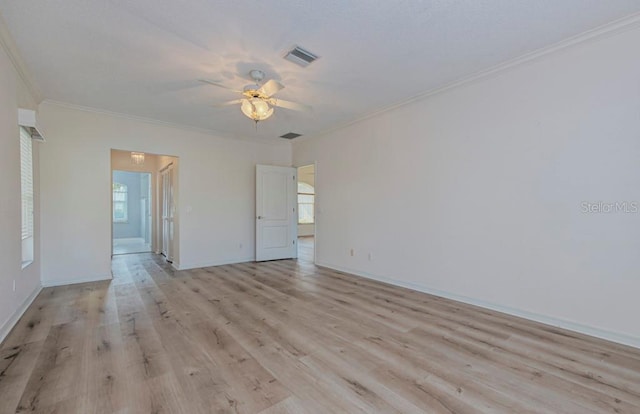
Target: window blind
26	179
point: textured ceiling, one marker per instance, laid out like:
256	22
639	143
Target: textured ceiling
143	57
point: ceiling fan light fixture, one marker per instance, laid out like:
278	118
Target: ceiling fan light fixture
257	102
137	158
256	109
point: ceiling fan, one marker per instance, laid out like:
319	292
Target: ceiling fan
257	101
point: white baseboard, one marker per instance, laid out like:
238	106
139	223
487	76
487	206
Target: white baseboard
212	263
96	278
548	320
8	325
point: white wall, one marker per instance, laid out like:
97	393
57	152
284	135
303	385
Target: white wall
14	94
475	193
216	180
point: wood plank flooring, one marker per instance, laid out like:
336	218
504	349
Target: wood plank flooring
290	337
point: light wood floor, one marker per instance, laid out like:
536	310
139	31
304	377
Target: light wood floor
289	337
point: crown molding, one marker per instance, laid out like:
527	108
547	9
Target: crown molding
153	121
612	28
609	29
9	46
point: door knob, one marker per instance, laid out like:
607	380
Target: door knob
259	217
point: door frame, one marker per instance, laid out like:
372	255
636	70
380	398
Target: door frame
316	213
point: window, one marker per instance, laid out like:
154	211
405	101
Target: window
306	199
120	203
26	195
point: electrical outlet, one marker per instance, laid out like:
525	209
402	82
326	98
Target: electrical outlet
241	245
14	285
369	256
351	252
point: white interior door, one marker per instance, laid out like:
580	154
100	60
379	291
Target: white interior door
164	213
167	213
276	216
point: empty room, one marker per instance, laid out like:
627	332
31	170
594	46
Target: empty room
269	207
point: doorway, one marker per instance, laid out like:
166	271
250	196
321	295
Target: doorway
306	213
154	235
131	212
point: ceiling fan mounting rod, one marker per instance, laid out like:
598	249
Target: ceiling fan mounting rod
257	75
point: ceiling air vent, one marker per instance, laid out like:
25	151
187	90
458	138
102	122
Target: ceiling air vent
27	120
35	134
300	56
290	135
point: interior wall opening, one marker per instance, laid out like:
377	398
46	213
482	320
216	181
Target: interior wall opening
306	212
131	212
144	197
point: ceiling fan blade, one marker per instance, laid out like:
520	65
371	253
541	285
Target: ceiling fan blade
228	103
219	85
270	88
289	105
